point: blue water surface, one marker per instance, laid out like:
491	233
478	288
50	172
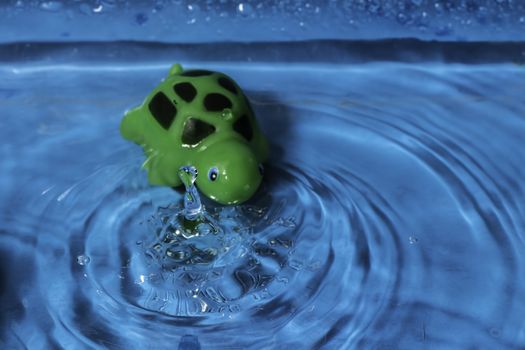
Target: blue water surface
391	215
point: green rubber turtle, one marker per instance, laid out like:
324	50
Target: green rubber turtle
200	118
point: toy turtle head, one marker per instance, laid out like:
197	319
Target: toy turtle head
229	172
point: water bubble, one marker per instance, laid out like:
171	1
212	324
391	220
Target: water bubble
412	240
402	18
245	9
83	260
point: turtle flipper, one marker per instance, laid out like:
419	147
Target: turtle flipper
132	125
162	168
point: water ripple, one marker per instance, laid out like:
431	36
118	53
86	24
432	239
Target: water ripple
391	216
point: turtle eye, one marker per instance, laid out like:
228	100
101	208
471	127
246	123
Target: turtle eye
261	169
213	174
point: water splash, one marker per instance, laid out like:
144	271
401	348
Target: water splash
192	200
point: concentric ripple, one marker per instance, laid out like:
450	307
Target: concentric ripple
391	216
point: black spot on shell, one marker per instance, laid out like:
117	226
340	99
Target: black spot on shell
186	91
196	73
195	131
216	102
244	127
227	84
162	110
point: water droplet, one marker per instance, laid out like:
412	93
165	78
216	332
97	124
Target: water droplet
495	332
83	260
98	9
314	265
141	18
288	223
194	292
52	6
444	30
282	280
412	240
295	264
402	18
235	308
245	9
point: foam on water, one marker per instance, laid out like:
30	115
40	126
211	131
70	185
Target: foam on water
391	215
